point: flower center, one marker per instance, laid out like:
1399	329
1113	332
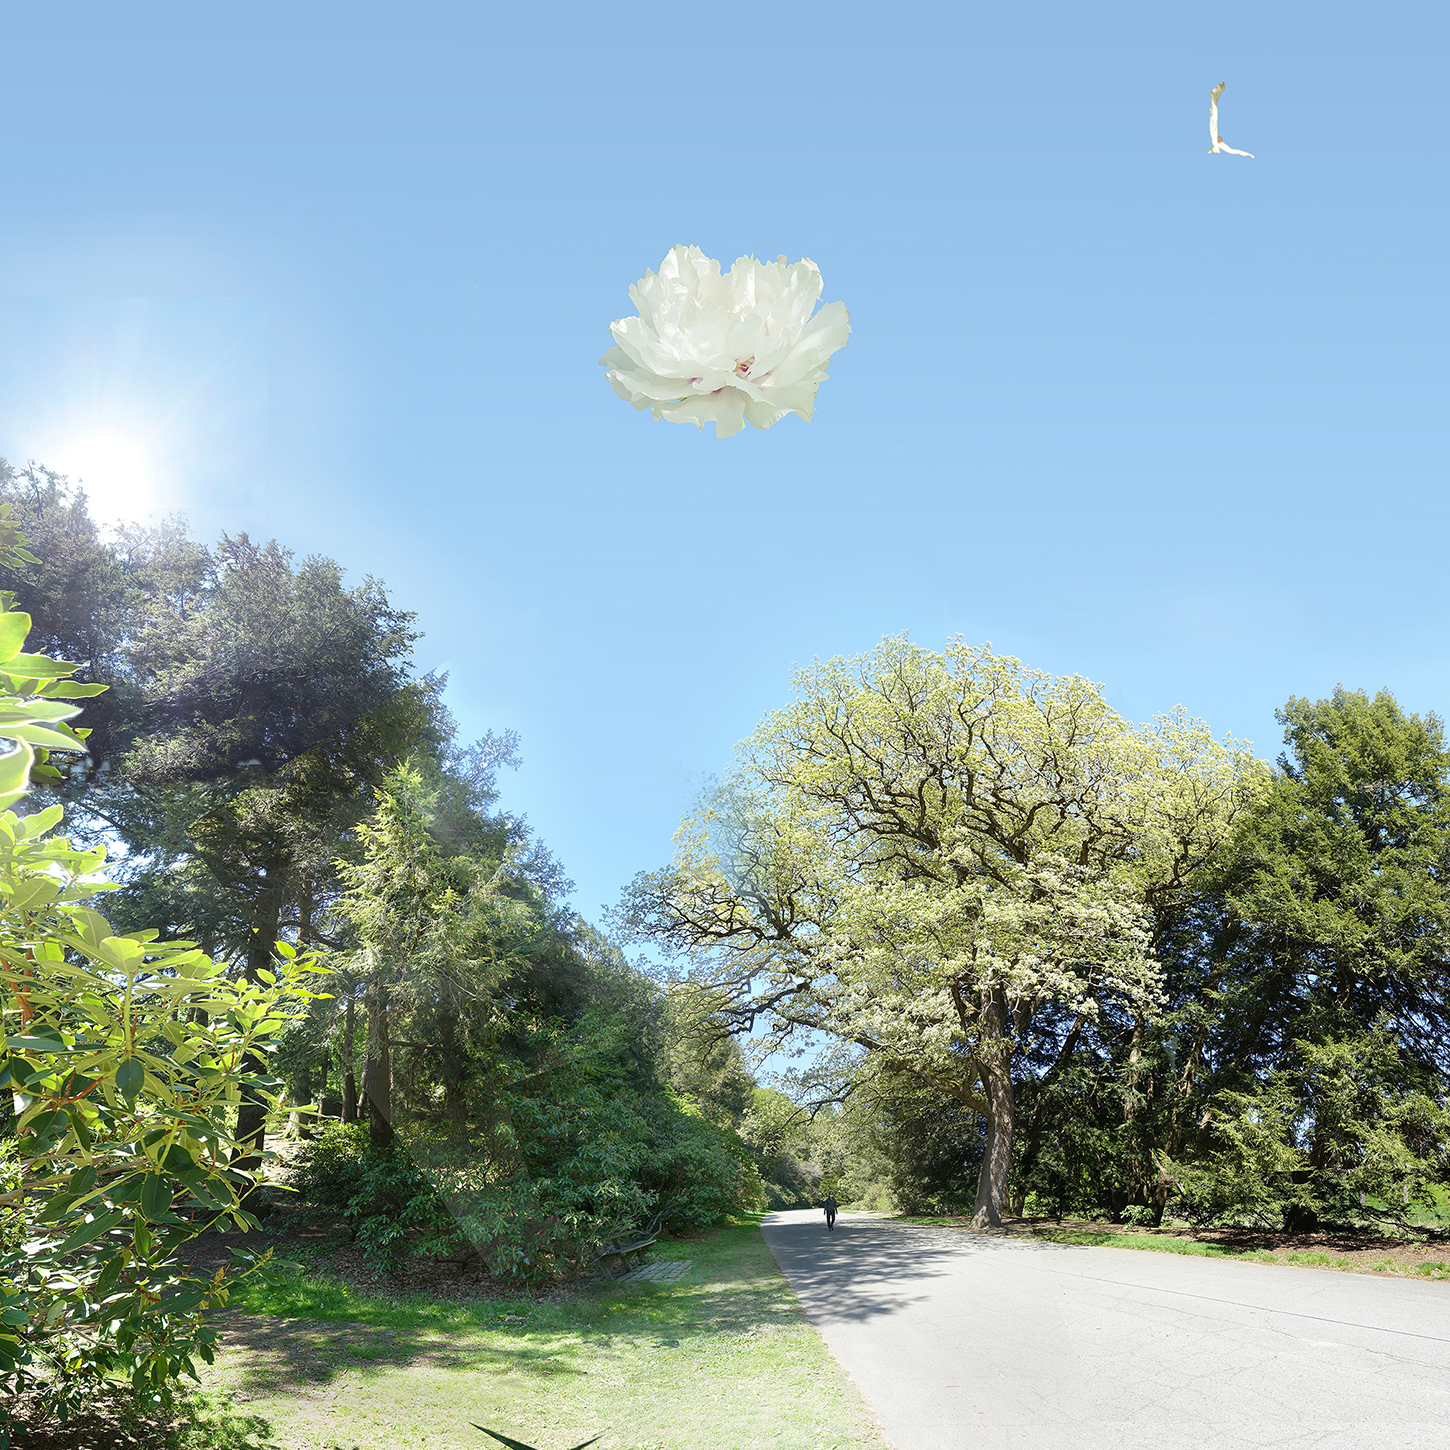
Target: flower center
743	368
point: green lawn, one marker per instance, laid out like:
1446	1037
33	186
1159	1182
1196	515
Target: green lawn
721	1359
1400	1263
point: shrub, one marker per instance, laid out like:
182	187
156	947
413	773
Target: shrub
125	1057
581	1179
1340	1133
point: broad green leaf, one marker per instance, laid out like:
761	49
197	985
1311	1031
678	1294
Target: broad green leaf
16	1072
45	1128
15	771
89	1232
38	891
91	926
130	1078
110	1272
58	1207
73	690
183	1303
31	827
41	735
37	666
33	1043
211	1194
27	710
14	626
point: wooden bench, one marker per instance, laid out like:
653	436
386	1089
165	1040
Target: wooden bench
622	1254
618	1256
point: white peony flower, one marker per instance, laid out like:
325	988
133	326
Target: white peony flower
742	347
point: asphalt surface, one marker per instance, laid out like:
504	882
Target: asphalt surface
959	1339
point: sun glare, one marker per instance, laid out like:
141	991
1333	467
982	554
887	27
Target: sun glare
116	472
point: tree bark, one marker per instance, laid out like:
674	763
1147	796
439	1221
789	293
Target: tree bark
455	1105
252	1110
378	1070
349	1077
1132	1078
993	1055
302	1099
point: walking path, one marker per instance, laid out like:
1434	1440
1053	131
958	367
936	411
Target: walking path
960	1340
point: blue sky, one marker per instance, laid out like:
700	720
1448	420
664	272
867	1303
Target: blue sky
341	274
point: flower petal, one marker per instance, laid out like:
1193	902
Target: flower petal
739	347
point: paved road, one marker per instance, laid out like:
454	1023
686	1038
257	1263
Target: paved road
967	1340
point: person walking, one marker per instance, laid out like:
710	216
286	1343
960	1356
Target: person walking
830	1210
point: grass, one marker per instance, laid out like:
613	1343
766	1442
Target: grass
199	1420
1158	1242
722	1358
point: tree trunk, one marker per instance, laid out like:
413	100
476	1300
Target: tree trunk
302	1099
252	1111
349	1077
455	1105
993	1054
1132	1077
378	1070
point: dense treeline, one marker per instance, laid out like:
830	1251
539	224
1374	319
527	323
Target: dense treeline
1296	1071
1038	959
1077	966
264	766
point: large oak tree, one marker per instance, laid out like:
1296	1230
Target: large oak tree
927	853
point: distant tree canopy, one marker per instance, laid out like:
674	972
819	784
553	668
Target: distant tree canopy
943	859
1313	977
268	766
1034	957
1148	967
253	708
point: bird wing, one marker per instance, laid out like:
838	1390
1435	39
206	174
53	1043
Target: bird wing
1232	152
1213	96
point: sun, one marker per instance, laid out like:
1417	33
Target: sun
117	472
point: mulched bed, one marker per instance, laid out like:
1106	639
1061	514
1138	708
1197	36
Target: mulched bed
296	1235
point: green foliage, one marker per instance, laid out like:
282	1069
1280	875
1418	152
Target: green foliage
699	1172
1336	901
925	1146
1310	1009
925	853
783	1140
125	1057
1337	1133
254	702
517	1120
195	1419
575	1170
700	1061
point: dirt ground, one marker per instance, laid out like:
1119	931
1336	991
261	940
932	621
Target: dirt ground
297	1236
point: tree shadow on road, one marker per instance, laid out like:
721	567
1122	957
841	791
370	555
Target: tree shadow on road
867	1268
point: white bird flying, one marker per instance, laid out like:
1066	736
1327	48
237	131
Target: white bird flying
1219	144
